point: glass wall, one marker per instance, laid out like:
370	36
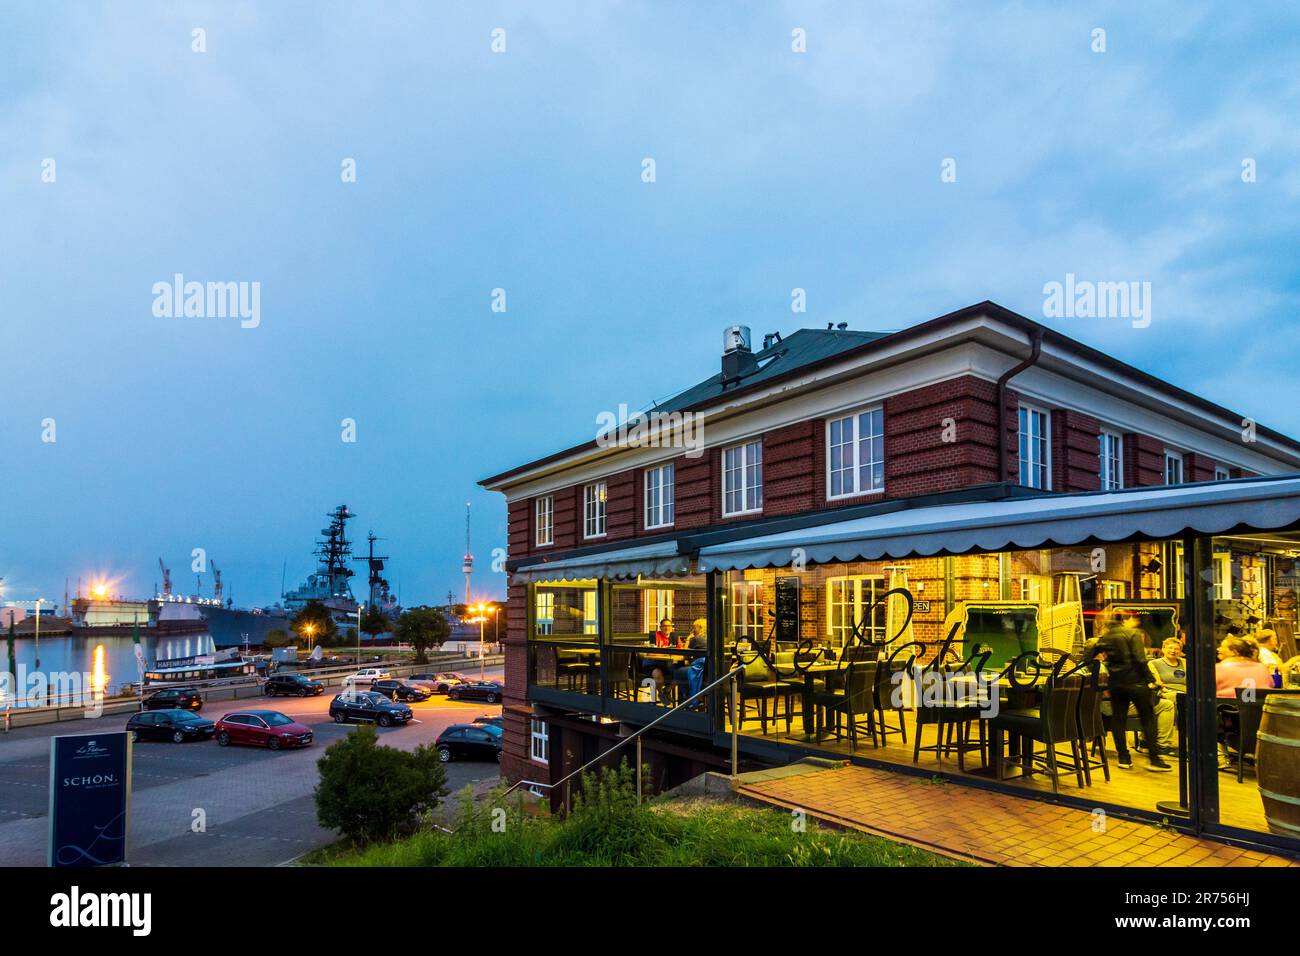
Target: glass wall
658	646
1253	594
564	636
1009	666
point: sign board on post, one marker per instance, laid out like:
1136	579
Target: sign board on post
90	799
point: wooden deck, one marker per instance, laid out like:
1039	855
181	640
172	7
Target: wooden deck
1136	788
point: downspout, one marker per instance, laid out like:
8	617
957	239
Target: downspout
1036	341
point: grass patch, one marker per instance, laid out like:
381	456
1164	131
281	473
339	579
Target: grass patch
607	828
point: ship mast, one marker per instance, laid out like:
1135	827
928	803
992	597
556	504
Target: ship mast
335	551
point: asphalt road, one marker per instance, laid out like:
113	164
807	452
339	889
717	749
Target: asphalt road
257	805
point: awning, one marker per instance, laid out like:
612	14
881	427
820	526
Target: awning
650	560
1164	512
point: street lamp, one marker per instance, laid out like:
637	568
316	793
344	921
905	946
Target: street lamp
481	610
310	629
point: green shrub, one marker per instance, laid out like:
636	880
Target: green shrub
369	792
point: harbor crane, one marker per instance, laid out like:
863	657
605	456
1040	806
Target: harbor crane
216	582
167	579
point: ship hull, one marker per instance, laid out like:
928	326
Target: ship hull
232	627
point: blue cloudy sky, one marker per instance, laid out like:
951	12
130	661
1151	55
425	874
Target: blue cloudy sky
522	170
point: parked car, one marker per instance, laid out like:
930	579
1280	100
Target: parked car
174	698
175	725
488	691
364	705
490	720
469	742
440	683
262	728
395	689
367	675
295	685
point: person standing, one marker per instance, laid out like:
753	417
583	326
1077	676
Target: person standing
1122	647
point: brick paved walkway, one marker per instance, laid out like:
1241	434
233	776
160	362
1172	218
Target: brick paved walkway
990	828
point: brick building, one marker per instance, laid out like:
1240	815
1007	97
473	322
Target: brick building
778	500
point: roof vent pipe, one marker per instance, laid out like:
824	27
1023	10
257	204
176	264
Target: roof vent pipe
1004	451
737	360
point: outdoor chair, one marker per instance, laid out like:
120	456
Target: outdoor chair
951	718
759	685
853	702
1056	722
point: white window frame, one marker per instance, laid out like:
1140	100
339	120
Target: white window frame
544	521
1174	457
1029	470
852	468
595	497
661	496
750	455
543	611
852	586
1221	564
539	740
1222	473
658	605
1111	467
747	610
590	612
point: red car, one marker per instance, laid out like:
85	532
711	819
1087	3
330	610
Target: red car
262	728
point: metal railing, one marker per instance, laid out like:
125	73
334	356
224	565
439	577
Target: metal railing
732	675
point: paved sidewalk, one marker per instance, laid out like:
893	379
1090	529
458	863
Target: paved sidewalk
978	825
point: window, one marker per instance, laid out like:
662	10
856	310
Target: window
1035	448
544	511
541	740
747	610
1222	575
659	496
1173	468
658	605
1112	461
847	602
593	513
1221	473
544	611
590	619
855	454
742	479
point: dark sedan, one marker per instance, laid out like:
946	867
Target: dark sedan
400	690
178	726
292	685
174	698
469	742
488	691
364	705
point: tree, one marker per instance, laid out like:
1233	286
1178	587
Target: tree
277	637
374	622
369	792
423	627
314	625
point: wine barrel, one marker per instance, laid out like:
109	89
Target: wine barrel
1277	763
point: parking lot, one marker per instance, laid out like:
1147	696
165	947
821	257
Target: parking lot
198	804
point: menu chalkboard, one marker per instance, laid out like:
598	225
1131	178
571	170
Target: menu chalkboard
787	609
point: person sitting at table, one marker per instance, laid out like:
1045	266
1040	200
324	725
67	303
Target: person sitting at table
1170	672
1129	680
699	636
664	636
1266	638
1239	666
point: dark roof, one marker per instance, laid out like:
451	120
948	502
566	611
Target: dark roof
804	347
832	343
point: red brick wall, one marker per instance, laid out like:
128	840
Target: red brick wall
1144	460
1198	468
1076	465
621	506
917	458
695	497
789	472
516	763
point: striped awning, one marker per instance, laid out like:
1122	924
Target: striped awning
649	560
1263	504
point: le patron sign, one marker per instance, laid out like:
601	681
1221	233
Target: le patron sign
90	799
